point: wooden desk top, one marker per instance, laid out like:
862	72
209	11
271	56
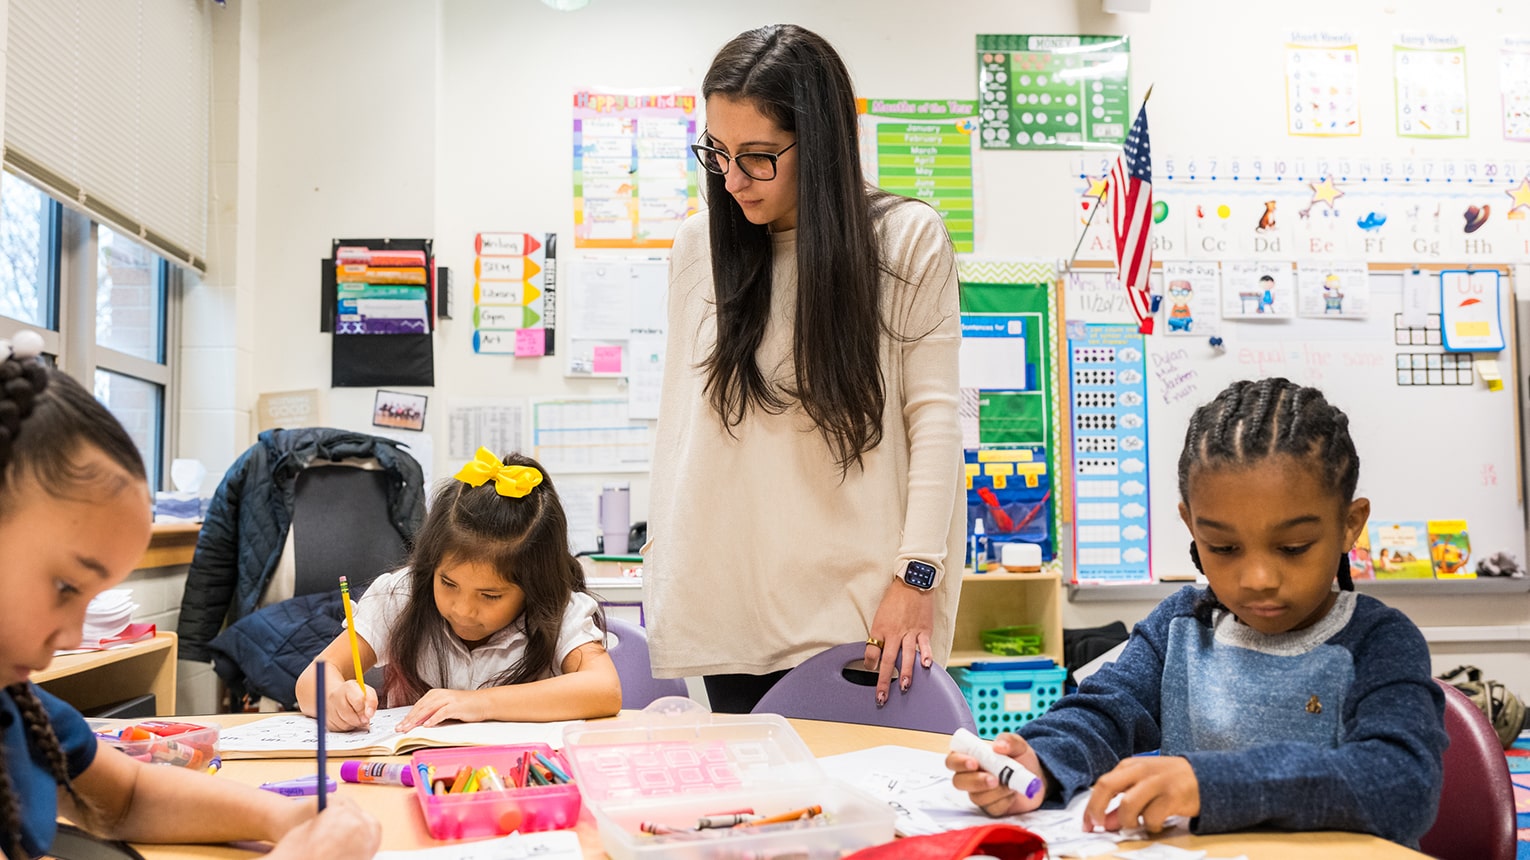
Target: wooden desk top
72	664
404	825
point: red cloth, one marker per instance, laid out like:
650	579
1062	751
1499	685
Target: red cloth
1004	841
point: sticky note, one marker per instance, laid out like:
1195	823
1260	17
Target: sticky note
608	359
1488	370
530	342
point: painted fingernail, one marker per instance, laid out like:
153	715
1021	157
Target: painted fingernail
881	699
904	685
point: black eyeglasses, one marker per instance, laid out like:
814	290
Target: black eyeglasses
759	166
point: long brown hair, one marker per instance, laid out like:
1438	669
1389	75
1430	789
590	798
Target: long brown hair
796	79
525	540
46	418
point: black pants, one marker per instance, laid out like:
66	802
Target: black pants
738	694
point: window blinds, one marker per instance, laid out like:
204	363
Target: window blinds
106	108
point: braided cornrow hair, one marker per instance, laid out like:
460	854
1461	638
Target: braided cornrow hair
60	418
1253	420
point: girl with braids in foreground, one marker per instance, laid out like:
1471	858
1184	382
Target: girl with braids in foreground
74	519
1274	701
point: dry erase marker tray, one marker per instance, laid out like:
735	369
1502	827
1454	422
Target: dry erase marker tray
173	742
675	763
493	812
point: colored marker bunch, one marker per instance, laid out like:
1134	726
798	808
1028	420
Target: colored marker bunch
733	819
534	769
163	742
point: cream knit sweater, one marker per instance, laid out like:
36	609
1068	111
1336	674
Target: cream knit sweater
761	555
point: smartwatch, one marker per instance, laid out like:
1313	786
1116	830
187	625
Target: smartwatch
920	575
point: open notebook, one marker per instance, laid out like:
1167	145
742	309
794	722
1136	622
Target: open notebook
296	735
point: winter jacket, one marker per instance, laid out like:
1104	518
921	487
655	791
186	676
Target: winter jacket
246	525
263	653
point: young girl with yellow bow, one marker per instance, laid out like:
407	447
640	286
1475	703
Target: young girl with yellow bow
491	620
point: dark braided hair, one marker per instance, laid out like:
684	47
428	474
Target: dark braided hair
1251	421
59	417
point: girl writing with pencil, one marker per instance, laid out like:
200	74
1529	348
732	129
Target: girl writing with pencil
490	621
74	520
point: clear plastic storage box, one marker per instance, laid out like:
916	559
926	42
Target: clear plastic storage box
675	762
172	742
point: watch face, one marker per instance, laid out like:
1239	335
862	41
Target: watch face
920	575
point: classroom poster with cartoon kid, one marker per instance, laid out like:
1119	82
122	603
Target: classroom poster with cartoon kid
1189	305
1257	289
1333	290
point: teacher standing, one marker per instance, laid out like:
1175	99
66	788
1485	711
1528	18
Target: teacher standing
808	466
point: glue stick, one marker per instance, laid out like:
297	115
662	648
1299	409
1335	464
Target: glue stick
377	772
1002	766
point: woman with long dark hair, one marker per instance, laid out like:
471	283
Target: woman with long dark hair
806	478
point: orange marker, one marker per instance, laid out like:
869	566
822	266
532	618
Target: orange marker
459	782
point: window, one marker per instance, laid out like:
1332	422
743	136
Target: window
104	303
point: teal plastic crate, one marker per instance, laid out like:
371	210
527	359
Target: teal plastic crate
1005	695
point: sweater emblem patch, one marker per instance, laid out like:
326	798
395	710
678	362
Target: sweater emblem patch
1314	706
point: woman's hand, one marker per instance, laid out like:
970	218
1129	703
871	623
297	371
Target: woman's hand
1152	788
903	623
984	788
341	832
349	708
440	705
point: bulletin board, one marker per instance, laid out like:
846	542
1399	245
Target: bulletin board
1427	451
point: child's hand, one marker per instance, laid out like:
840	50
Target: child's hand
439	705
349	708
1152	788
984	788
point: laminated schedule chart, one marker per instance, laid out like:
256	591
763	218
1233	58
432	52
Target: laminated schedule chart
1110	462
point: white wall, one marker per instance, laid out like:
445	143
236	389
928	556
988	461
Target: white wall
440	119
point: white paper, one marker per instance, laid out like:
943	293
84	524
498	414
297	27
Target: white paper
581	508
297	734
992	362
589	434
1190	298
1336	289
551	845
645	375
493	423
1420	298
1096	297
1255	289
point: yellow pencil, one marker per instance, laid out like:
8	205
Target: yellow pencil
350	625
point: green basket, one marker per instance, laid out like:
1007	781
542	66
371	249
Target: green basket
1021	641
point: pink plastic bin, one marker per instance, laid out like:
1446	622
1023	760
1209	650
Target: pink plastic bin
494	813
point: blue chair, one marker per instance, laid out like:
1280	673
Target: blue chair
639	686
832	686
1476	818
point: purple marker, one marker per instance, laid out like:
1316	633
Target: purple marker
1002	766
302	786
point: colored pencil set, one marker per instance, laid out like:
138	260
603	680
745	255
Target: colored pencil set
533	770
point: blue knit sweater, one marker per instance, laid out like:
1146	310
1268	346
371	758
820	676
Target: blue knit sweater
1336	727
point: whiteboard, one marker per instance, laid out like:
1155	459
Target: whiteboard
1426	452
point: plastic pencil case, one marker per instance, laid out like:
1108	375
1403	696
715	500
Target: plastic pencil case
493	813
674	762
1022	641
172	742
1004	698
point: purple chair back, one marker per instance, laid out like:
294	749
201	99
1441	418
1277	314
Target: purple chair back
1476	820
819	690
639	686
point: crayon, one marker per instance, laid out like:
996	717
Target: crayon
459	782
659	829
556	771
708	822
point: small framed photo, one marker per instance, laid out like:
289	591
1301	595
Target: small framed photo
399	409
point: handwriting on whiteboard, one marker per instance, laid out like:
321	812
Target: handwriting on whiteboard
1308	362
1175	379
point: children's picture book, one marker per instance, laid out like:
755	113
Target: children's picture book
1360	564
297	736
1449	549
1400	550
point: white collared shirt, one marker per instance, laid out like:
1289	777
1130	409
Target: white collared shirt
384	602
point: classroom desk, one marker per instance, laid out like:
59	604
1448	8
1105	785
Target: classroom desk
97	678
404	825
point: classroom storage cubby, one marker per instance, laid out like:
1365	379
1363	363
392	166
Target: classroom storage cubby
998	599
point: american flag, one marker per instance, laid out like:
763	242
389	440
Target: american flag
1131	200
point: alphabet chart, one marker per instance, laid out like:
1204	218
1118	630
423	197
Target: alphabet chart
1109	426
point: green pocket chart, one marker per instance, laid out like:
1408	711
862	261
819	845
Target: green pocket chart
1020	298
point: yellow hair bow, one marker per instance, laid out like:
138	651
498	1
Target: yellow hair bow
512	481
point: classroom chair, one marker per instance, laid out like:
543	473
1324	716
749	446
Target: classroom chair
639	686
72	843
834	686
1476	820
